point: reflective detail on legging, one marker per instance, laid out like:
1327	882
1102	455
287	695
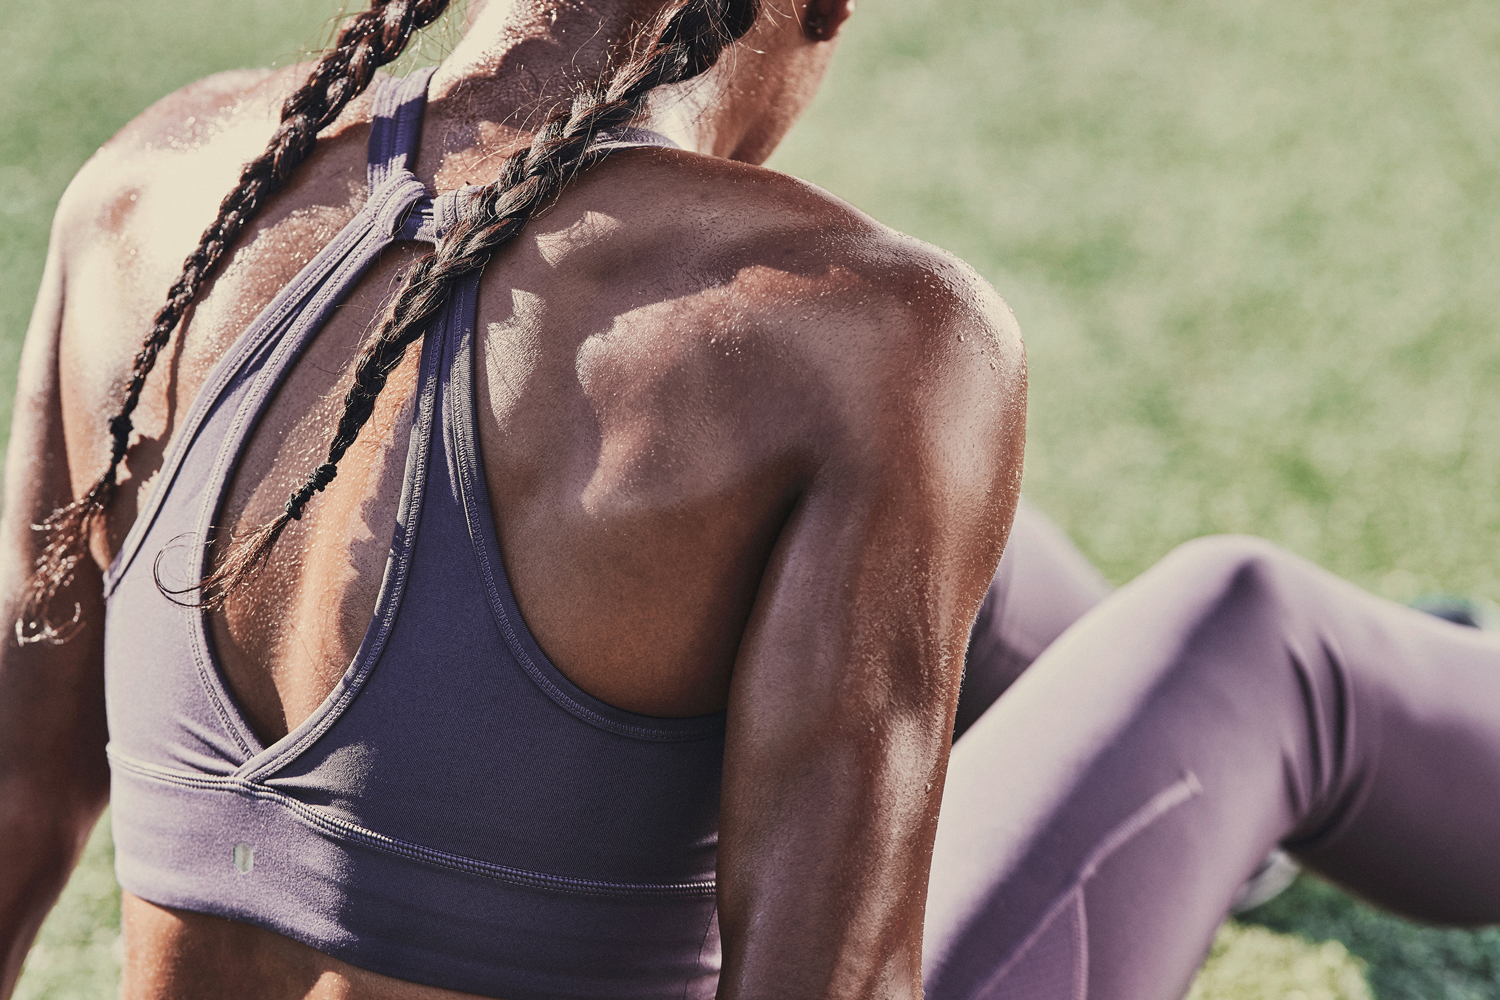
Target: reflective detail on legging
1052	964
1053	959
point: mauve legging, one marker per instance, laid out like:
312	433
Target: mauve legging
1100	818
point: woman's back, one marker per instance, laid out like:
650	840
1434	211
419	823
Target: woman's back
731	432
670	352
558	847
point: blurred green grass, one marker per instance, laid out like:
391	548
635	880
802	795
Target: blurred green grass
1250	245
77	954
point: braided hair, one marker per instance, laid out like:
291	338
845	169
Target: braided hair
685	41
366	42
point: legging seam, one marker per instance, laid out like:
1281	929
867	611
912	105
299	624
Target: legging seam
1081	968
1174	795
1183	790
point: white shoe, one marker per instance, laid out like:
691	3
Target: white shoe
1270	880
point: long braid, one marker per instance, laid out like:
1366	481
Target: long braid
688	40
366	42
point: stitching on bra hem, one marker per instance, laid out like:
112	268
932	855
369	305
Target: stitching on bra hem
352	832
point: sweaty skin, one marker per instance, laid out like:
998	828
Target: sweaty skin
746	448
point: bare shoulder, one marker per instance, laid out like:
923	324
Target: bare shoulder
802	255
181	117
160	179
140	204
197	118
876	333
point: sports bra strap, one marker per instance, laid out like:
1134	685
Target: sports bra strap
396	131
430	217
396	134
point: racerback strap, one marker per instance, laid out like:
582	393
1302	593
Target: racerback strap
396	131
396	134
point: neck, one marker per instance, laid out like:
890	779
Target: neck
527	51
519	58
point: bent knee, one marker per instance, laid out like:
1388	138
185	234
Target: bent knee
1221	574
1229	552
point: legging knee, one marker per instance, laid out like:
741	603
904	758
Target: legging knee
1235	595
1236	659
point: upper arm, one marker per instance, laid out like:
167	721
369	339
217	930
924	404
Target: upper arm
842	700
52	728
36	464
77	349
53	776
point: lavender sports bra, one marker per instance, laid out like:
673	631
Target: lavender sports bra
456	813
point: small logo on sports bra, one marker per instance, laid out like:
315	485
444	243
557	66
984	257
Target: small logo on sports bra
244	858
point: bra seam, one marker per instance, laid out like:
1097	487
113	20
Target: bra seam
231	725
409	515
365	837
278	336
469	469
220	476
391	98
333	286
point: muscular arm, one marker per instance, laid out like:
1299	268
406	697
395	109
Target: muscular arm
53	776
842	700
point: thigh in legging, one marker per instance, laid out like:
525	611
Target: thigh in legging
1100	818
1043	585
